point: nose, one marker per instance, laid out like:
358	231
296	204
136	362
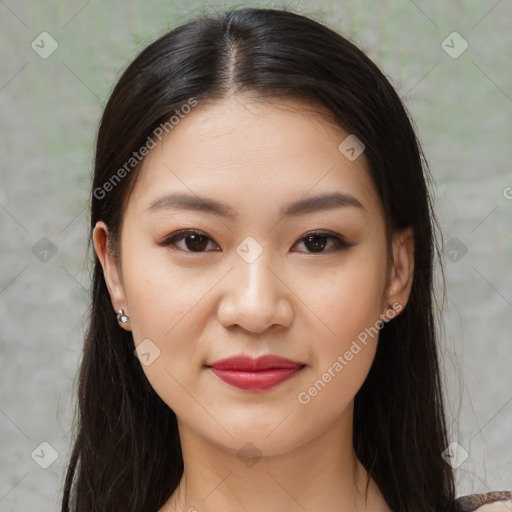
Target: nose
256	297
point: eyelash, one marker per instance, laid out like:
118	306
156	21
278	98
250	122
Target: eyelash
181	235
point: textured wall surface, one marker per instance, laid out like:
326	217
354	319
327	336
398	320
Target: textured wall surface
59	62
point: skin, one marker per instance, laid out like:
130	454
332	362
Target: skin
199	307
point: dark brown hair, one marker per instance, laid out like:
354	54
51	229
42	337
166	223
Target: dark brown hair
126	454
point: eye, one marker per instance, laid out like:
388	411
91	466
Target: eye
196	241
316	241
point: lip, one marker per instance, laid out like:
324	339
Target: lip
261	374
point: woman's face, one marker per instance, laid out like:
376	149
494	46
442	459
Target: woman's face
247	281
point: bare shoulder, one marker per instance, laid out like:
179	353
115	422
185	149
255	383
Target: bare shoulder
497	506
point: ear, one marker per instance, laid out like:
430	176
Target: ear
111	270
402	270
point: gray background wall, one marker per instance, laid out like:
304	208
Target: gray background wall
50	108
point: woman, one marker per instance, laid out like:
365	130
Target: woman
262	333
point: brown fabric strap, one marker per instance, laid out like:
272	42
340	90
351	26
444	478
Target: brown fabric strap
473	501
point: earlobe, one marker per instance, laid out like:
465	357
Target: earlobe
111	271
402	268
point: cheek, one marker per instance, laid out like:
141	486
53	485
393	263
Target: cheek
161	297
165	308
350	300
348	305
344	355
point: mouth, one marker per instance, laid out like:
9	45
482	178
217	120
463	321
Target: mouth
260	374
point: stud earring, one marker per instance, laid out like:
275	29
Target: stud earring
121	317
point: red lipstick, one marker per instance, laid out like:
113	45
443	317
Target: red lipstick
259	374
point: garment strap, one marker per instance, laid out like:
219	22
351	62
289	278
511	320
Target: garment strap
473	501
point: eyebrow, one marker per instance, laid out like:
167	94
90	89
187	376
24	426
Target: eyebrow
304	206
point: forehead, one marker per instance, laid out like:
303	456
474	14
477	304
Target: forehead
262	152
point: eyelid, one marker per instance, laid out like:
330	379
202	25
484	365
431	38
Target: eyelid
326	233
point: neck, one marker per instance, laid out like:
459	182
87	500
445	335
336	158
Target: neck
322	475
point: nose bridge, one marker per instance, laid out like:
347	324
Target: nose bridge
253	270
254	297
